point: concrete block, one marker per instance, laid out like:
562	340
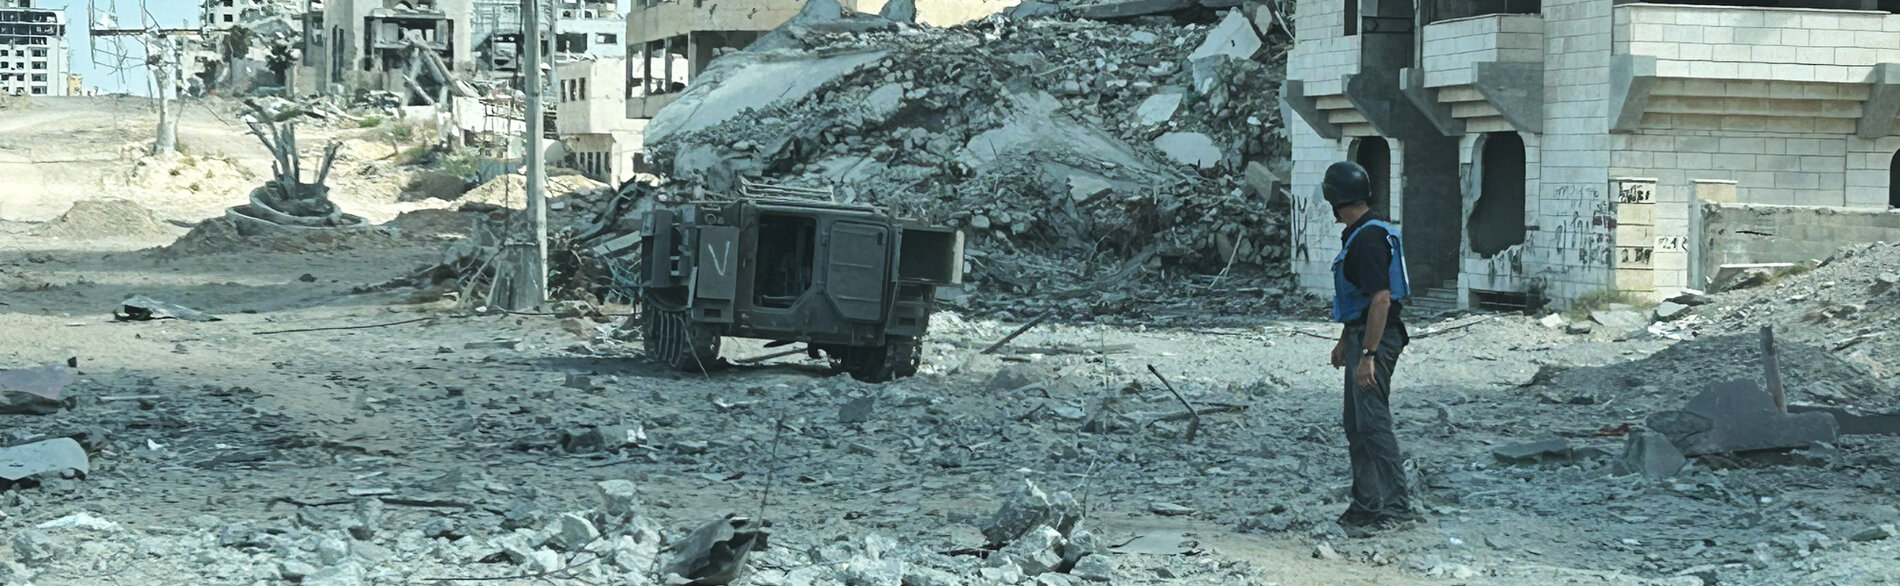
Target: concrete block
1737	416
1651	454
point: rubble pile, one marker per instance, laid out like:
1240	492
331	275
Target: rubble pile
1089	162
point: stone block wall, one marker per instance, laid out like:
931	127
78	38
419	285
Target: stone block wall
1571	250
1782	44
1748	234
1453	46
1322	54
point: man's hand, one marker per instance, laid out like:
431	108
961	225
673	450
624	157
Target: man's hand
1364	376
1339	354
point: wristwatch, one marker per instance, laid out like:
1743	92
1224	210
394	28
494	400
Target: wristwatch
1368	353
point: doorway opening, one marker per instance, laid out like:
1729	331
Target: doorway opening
1497	218
1375	154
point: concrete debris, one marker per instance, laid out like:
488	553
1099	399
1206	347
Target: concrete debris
80	520
1036	552
1170	509
1553	448
1854	421
715	553
1189	148
43	457
1084	187
573	532
1620	320
899	10
1325	551
34	548
1158	109
1027	508
1553	321
1095	568
618	498
857	410
1580	327
1651	454
1886	282
1233	37
295	571
1670	311
142	308
44	382
1691	298
1875	533
1737	416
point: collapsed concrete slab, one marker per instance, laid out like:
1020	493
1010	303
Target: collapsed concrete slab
1551	448
1038	125
1737	416
749	85
1233	37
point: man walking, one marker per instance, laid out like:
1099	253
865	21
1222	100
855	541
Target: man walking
1369	285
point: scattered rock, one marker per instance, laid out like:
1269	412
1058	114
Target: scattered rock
1670	310
1014	377
857	410
1325	551
1158	108
618	498
1621	320
1553	321
1885	282
1876	533
1651	454
1028	507
1552	448
34	548
573	532
294	570
1580	327
582	382
1037	551
1095	568
1691	298
1169	509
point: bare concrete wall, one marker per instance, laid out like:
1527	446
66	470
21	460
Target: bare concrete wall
1747	234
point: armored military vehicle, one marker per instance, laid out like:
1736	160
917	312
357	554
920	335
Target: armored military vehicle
850	281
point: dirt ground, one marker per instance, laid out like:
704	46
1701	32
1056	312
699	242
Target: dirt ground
229	453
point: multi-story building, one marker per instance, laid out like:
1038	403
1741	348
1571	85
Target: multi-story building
591	120
678	39
32	49
1543	151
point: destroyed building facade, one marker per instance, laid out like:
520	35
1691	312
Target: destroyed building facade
32	49
1548	150
369	43
590	118
224	14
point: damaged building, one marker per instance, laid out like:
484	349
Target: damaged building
371	43
601	141
32	49
1541	151
678	39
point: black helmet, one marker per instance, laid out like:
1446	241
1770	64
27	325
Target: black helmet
1346	183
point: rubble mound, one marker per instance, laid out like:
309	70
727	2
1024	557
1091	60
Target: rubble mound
224	236
1669	378
432	223
108	218
1092	164
511	190
172	175
1849	306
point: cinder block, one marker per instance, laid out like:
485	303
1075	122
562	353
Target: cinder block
1822	164
1734	162
1755	179
1866	179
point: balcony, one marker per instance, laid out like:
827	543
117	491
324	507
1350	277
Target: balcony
1317	74
655	21
1788	69
1481	74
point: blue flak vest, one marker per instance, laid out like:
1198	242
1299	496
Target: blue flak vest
1349	303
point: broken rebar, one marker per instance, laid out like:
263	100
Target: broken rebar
1194	417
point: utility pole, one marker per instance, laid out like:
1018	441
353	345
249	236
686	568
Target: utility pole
537	170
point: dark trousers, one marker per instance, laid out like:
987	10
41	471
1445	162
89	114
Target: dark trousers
1378	478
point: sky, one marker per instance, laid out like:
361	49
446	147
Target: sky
169	13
